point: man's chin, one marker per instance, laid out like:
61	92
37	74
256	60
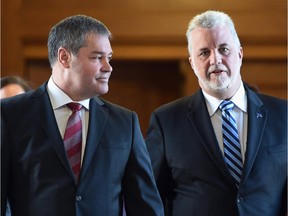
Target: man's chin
104	90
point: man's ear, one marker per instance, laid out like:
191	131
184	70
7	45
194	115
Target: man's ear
64	57
240	53
191	62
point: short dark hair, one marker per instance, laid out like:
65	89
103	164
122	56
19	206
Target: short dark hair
15	80
71	33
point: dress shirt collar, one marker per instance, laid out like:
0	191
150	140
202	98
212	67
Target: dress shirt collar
58	98
239	99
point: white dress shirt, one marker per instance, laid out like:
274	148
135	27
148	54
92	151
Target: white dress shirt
59	100
239	113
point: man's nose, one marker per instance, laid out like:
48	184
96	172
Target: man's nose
215	58
107	66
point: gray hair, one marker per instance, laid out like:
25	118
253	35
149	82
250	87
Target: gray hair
71	32
211	19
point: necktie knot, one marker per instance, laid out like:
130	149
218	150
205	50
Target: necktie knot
226	105
74	106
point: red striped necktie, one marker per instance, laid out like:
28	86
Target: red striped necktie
73	139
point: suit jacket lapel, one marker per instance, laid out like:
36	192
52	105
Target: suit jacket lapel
257	116
97	118
201	123
44	113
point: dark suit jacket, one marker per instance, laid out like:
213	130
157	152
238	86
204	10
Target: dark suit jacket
189	168
36	176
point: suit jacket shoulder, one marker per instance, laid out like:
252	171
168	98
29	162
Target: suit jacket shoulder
112	106
182	104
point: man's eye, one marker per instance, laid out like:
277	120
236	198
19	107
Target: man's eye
223	50
204	53
96	57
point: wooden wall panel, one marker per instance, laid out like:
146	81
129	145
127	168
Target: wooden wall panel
269	77
148	39
143	85
135	22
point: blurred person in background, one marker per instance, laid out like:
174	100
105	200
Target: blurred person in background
13	85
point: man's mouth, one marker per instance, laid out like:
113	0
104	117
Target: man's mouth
102	78
216	72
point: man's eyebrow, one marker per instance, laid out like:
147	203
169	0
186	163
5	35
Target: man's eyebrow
203	49
101	53
223	45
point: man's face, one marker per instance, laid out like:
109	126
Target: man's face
90	69
216	60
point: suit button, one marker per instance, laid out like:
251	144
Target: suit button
239	200
78	198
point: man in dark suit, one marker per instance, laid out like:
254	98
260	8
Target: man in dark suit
189	154
36	175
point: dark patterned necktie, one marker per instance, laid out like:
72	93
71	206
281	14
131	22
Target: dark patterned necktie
73	139
232	148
